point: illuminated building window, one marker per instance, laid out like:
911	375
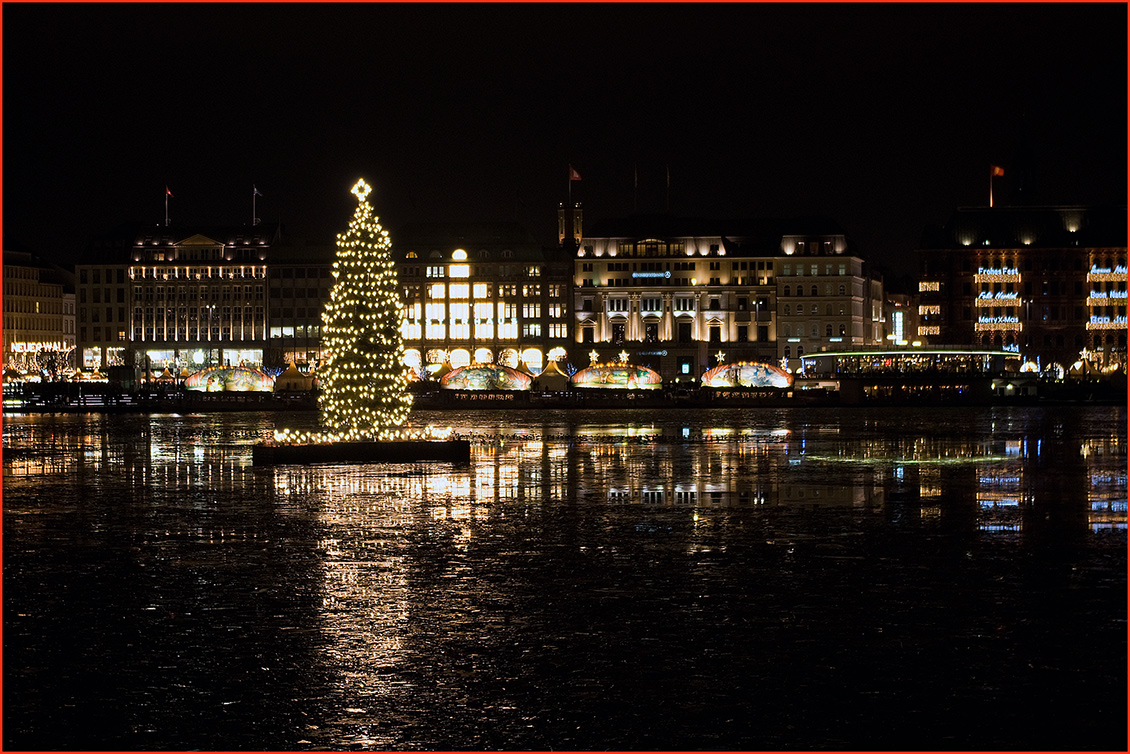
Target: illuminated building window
458	290
435	272
460	270
927	285
484	329
436	290
481	290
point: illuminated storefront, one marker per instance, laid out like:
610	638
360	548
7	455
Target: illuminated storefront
480	294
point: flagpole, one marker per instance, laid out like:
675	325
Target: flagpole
166	206
254	191
991	172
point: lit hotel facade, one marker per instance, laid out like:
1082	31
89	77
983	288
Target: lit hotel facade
681	296
156	296
1047	283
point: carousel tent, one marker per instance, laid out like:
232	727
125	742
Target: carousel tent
747	374
485	377
230	379
618	377
1083	368
552	379
293	379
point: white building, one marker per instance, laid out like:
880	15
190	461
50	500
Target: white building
683	295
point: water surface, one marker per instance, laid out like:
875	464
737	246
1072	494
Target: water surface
752	579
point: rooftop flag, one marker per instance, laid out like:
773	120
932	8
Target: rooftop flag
994	170
573	174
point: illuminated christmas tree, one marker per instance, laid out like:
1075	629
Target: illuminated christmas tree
363	378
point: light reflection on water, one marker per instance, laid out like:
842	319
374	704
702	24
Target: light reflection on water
712	579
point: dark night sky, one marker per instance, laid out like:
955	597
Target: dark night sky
882	117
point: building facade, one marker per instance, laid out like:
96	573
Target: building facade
159	296
39	315
681	296
482	293
299	281
1046	283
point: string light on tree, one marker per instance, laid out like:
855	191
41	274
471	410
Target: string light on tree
363	379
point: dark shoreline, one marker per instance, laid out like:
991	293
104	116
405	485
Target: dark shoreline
52	402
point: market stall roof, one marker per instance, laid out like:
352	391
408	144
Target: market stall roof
618	376
485	377
230	379
747	374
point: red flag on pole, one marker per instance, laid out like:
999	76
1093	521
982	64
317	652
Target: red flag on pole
573	174
167	192
998	170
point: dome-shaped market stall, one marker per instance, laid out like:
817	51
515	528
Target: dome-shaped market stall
485	377
747	374
618	376
230	379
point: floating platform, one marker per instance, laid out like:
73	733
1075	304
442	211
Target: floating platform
392	451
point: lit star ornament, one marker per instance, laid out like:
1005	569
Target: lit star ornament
361	189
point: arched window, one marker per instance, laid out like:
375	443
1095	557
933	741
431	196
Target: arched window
843	290
843	330
815	291
827	331
787	290
800	308
788	352
788	310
